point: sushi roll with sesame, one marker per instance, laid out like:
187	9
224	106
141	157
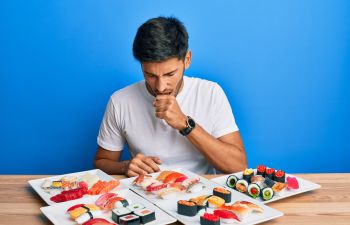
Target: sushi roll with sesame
266	194
209	219
254	190
222	193
247	174
130	219
260	170
270	172
146	215
186	208
242	186
231	181
119	212
280	176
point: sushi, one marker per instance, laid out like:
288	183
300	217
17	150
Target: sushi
186	208
259	180
269	182
270	173
122	203
146	215
266	194
118	213
130	219
253	190
201	200
99	221
135	207
260	170
168	193
87	216
242	186
78	211
247	174
209	219
279	188
231	181
279	176
222	193
215	201
250	205
226	216
195	187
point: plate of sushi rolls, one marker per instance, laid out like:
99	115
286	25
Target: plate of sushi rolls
73	186
266	184
220	206
121	207
167	185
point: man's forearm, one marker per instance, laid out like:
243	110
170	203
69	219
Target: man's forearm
227	158
112	167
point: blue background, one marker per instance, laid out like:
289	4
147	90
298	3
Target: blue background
284	65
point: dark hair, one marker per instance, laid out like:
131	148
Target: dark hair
159	39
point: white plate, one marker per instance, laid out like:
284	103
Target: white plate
57	213
36	184
155	199
170	206
304	186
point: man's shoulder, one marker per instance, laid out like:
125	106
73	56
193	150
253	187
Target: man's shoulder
202	84
129	92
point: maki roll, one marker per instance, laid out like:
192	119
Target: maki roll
118	213
146	215
253	190
266	194
186	208
242	186
269	182
270	173
260	170
222	193
135	207
215	201
130	220
280	176
209	219
122	203
247	174
231	181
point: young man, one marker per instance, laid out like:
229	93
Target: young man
168	118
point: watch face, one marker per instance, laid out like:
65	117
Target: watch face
191	122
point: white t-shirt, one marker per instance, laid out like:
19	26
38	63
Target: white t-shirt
130	119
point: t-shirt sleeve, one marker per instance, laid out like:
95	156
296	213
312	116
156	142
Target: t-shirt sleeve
223	119
110	136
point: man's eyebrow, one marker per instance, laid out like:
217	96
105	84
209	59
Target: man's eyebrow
168	73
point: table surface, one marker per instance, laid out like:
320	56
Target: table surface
19	203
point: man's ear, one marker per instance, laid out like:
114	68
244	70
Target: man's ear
188	59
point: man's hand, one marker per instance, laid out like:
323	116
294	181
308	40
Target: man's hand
168	109
142	164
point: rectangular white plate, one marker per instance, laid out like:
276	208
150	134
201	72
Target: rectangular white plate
304	186
36	184
57	213
170	206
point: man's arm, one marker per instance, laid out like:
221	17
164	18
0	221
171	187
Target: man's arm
108	161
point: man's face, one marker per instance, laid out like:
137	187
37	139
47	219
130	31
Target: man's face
165	78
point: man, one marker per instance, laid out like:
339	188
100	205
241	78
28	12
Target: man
168	118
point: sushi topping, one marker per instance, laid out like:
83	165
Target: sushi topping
279	173
293	183
261	168
270	171
99	221
226	214
279	187
156	187
248	171
210	217
74	207
187	203
222	190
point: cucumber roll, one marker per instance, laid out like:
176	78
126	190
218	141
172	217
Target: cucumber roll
186	208
242	186
247	174
266	194
253	190
231	181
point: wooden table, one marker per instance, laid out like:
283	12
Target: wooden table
19	203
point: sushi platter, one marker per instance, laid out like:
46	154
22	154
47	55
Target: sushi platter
75	186
120	207
265	184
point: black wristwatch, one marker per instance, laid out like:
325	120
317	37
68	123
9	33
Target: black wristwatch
190	126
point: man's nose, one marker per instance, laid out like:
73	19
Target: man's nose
161	85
